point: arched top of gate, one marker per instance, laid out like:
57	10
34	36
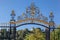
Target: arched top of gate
32	15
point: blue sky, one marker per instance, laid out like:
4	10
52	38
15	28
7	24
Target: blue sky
46	6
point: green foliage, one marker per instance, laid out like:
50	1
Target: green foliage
55	34
22	34
36	35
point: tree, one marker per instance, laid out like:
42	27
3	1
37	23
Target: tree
36	35
22	34
55	35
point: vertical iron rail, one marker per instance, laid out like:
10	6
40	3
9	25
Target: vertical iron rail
47	33
14	32
10	32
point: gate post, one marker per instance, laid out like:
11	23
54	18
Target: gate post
12	26
51	22
47	31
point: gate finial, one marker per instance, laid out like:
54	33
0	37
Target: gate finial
13	15
51	16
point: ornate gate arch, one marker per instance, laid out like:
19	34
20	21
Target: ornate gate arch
31	16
